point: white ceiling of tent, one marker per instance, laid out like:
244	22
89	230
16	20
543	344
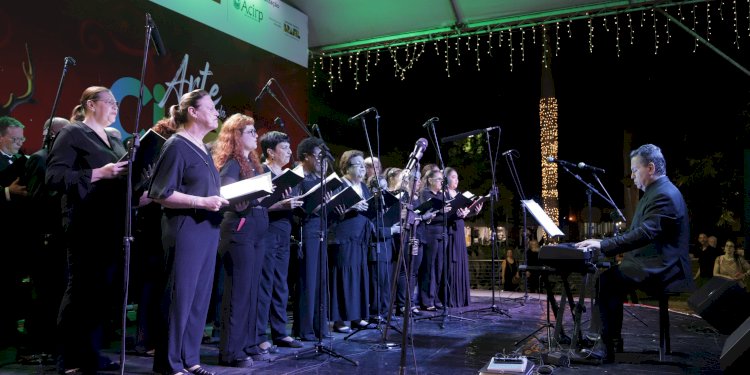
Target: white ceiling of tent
339	23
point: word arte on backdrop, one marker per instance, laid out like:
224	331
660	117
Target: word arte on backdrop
175	88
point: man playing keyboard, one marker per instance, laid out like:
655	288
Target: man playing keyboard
655	248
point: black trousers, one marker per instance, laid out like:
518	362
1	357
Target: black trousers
273	293
614	286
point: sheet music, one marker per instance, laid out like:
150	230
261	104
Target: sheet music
542	218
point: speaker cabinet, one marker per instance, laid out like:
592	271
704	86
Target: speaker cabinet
735	355
721	302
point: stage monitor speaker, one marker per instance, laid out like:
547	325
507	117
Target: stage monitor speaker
721	302
735	357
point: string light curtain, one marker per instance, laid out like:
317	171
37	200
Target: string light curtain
337	65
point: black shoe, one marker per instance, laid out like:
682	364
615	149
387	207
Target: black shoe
198	370
599	354
341	328
618	345
564	339
258	354
439	306
359	323
241	363
291	343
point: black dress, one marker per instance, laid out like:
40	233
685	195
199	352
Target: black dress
348	267
459	288
510	271
190	239
93	217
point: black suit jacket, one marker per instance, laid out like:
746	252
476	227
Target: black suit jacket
656	245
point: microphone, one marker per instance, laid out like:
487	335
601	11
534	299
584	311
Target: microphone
468	134
428	122
155	36
279	122
366	111
510	152
591	168
70	61
561	162
416	155
263	90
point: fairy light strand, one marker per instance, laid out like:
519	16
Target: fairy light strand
591	34
695	26
708	21
544	47
617	34
447	59
478	57
489	42
510	50
736	29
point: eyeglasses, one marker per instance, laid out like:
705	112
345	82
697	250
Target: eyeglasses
113	103
251	131
18	139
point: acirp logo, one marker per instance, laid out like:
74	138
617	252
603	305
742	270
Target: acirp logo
249	11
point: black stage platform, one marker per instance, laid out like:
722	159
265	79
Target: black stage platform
466	341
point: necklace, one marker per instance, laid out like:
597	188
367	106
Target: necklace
273	168
195	141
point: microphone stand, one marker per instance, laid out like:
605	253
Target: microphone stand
322	290
590	189
445	315
410	220
48	136
509	155
288	109
493	233
128	237
378	226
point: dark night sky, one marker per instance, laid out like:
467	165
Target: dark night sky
675	99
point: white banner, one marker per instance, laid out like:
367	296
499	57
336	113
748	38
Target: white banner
268	24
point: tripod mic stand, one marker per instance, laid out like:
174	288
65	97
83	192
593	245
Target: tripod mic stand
321	290
493	230
379	232
444	235
509	156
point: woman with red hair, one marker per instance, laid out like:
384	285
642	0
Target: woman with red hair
241	247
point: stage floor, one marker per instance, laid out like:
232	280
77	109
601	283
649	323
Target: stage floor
465	341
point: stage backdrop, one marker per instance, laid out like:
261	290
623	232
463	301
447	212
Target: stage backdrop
208	45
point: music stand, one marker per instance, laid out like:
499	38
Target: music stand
553	231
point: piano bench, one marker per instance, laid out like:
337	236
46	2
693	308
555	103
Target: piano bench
664	341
